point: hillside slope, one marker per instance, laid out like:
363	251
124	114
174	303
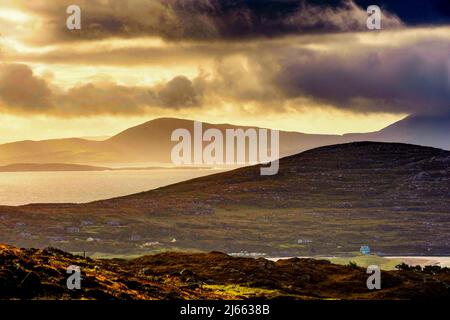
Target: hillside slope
330	200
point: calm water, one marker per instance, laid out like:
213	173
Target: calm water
17	188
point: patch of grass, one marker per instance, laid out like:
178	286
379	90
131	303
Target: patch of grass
367	260
241	291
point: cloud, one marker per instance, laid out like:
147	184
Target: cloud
202	20
179	92
411	79
21	91
415	12
398	72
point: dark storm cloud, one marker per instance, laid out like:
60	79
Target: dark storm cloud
411	79
204	20
415	12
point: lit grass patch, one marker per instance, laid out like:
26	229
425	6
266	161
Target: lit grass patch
242	291
368	260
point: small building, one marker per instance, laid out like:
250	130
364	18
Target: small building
73	230
150	244
365	249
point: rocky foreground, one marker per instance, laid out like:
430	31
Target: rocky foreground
41	274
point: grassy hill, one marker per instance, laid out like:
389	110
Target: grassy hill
327	201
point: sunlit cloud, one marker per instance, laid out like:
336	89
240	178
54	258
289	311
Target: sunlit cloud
296	70
13	15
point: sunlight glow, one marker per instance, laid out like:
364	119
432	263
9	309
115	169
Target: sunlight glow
13	15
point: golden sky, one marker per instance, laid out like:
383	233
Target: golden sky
313	70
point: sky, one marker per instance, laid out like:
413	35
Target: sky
309	66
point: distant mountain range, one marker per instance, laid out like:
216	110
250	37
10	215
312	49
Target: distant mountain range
54	167
330	200
429	131
36	167
150	142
